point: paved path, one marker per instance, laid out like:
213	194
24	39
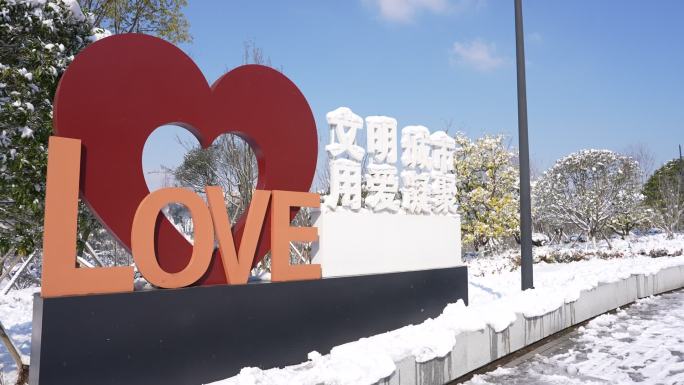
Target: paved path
641	344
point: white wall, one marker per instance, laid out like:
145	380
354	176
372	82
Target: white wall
476	348
360	243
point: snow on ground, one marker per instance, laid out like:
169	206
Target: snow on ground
642	344
495	298
656	245
16	311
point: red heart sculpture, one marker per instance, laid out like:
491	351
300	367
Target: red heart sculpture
120	89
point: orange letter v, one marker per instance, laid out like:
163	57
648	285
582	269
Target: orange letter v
237	264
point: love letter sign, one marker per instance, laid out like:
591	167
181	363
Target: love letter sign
110	99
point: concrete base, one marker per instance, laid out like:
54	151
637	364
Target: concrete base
478	348
204	334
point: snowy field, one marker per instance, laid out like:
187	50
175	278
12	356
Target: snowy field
495	297
642	344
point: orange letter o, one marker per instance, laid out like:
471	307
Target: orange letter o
142	237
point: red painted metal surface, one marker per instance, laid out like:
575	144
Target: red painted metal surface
120	89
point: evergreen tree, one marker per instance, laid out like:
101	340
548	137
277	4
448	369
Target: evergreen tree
488	191
664	192
37	42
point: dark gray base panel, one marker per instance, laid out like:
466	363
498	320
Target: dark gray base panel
203	334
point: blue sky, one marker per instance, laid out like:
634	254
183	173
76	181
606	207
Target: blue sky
601	74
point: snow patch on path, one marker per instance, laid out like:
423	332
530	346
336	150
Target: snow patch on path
642	344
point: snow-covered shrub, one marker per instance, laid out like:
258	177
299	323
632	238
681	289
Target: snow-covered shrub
39	39
560	255
539	239
662	252
592	191
497	263
566	254
487	191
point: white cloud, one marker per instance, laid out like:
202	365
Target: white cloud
535	37
404	11
476	54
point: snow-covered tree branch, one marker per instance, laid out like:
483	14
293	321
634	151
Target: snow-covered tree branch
592	191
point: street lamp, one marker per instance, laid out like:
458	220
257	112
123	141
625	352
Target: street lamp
527	281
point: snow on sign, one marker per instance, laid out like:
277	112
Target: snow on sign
428	179
109	100
383	220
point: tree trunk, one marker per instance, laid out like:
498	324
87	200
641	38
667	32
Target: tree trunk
610	246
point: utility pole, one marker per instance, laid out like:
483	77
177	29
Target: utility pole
527	280
681	168
681	180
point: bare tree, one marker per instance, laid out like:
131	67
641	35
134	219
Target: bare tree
645	157
252	54
322	177
237	171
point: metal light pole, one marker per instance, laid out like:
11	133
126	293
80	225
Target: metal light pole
681	174
681	166
527	280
